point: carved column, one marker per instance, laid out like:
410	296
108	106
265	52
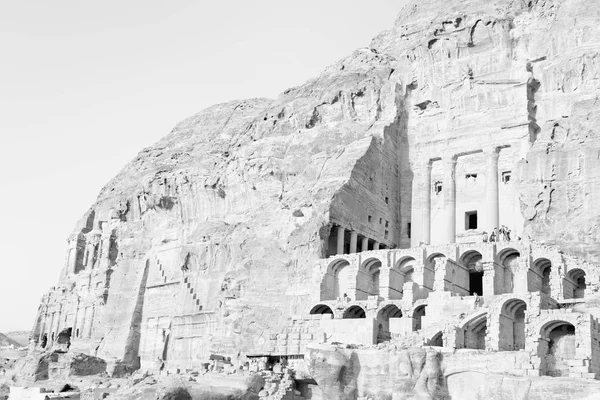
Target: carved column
493	278
421	205
365	244
341	232
72	254
449	189
353	241
520	279
492	212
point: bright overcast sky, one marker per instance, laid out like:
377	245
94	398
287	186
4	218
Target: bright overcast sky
86	85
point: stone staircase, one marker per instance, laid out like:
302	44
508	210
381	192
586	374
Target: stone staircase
190	291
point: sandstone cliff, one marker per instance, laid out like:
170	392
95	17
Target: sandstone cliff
218	225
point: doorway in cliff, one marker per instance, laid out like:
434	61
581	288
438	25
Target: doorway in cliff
475	331
418	315
512	325
558	348
387	313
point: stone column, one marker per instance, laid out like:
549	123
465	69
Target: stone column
449	188
341	232
353	242
421	205
365	244
493	278
72	255
492	212
376	246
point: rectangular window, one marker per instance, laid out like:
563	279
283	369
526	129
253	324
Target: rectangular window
470	220
369	218
385	236
408	230
387	200
437	187
506	177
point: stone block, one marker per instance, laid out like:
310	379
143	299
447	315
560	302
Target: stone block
533	372
588	375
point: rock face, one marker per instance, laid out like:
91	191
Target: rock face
206	242
416	373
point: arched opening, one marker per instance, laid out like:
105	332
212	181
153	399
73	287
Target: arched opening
538	278
509	259
472	261
321	309
418	315
336	281
383	321
44	340
574	284
354	312
557	348
475	331
437	340
401	274
512	325
367	280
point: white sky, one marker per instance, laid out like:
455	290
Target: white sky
86	85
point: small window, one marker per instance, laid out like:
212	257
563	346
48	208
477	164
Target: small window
470	220
369	218
471	177
387	200
408	230
506	177
380	221
387	223
437	187
385	236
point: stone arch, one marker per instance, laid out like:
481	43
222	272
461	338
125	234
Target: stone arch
557	347
383	321
354	312
471	260
367	279
574	284
475	330
508	258
539	276
321	309
512	325
436	340
336	281
418	314
401	273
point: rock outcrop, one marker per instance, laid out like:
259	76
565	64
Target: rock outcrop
206	242
428	374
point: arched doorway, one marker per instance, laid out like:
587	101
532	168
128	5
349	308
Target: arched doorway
509	259
336	281
367	280
383	322
437	340
354	312
558	348
401	274
475	331
418	315
574	284
539	276
512	325
321	309
472	261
